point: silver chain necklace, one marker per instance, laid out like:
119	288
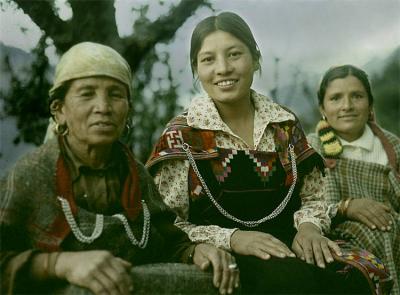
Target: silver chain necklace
99	225
248	223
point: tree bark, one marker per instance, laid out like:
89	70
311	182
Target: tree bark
95	21
43	15
161	30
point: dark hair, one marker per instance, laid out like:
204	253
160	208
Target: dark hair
341	72
228	22
60	92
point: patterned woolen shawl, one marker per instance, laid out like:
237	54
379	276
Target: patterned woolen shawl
360	179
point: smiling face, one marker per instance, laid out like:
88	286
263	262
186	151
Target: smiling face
95	110
346	107
225	68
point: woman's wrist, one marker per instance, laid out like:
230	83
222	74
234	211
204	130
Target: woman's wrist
53	259
188	255
309	226
233	239
344	206
42	266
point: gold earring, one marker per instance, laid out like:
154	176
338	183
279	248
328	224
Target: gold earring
371	116
60	129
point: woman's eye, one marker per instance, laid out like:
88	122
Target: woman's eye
335	97
206	59
117	95
87	93
358	95
235	54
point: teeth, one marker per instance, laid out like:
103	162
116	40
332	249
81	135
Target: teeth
226	83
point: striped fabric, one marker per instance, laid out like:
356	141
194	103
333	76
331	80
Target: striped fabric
360	179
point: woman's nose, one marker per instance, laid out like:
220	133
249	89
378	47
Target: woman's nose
102	103
223	66
347	103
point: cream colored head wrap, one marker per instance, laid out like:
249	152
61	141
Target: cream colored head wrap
88	59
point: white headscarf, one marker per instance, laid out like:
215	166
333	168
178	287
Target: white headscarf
88	59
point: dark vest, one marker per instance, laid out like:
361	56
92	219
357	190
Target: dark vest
247	184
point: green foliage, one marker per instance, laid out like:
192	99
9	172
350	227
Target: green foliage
386	91
26	100
153	106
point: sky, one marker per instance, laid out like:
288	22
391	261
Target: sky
310	34
305	35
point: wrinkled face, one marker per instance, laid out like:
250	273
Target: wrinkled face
225	68
95	110
346	107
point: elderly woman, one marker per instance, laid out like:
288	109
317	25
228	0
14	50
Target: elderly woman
363	180
80	208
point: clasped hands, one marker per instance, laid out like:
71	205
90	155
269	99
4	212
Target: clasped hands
309	245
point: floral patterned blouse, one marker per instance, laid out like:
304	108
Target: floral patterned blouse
171	176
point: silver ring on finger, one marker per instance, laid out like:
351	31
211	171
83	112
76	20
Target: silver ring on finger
233	266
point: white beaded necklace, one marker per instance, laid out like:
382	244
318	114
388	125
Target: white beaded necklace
99	225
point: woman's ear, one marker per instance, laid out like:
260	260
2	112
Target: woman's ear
371	115
256	66
56	110
321	111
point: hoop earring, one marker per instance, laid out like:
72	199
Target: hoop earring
126	134
331	146
60	129
371	116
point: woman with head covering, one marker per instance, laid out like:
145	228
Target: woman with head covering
363	179
80	208
239	173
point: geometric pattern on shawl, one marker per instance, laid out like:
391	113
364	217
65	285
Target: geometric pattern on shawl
177	132
203	146
222	168
291	132
373	269
263	163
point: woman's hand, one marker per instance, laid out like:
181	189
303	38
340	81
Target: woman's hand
372	213
99	271
224	278
311	246
259	244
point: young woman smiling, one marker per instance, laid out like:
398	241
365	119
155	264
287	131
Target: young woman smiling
239	173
